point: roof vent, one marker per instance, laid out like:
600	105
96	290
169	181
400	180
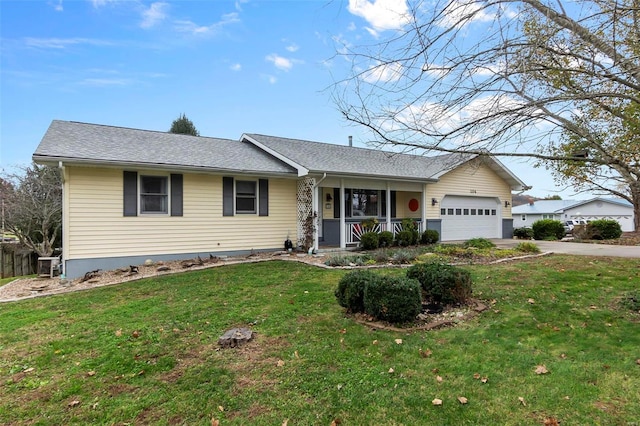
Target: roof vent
350	140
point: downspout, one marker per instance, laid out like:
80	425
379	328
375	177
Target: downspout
314	212
65	228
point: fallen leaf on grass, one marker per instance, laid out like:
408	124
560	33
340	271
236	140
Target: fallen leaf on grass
439	379
425	354
91	373
74	403
551	422
135	334
541	369
375	342
336	422
399	341
521	399
296	354
484	379
215	422
28	370
391	370
343	331
286	422
638	361
437	401
119	333
220	408
476	376
462	400
280	363
531	301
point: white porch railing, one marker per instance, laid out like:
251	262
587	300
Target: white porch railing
354	230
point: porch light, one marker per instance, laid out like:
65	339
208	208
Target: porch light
329	198
434	201
507	203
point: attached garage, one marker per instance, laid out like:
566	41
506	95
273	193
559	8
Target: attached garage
470	217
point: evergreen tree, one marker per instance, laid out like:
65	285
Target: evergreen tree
182	125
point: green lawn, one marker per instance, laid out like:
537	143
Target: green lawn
146	352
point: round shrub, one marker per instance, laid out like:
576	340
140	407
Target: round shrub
369	240
548	229
528	247
430	236
385	239
479	243
444	284
523	233
393	299
350	291
405	238
604	229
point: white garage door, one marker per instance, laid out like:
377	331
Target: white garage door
470	217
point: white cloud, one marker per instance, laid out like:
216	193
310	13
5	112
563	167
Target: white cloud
62	43
292	47
383	73
282	63
236	67
239	4
156	13
100	3
192	28
57	5
381	14
271	79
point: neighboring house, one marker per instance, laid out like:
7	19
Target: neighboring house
563	210
132	195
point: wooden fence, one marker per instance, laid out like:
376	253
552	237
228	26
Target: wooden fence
16	262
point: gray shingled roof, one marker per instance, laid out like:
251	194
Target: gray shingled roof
99	144
342	159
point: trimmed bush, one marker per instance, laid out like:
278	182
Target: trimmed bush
393	299
405	238
385	239
369	240
430	236
548	229
528	247
479	243
604	229
523	233
631	300
444	284
350	291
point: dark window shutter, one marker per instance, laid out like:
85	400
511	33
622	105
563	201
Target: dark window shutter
227	196
383	201
176	195
336	203
263	189
130	198
393	203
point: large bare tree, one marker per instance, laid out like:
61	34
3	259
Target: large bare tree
33	207
558	83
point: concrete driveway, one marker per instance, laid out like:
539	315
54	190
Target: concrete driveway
581	249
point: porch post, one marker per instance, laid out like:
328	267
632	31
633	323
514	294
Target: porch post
343	243
388	202
423	212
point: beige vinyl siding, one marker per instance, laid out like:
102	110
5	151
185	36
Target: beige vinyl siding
402	205
473	179
97	227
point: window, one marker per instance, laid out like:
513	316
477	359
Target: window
450	211
154	194
458	212
473	212
443	212
480	212
493	212
246	196
523	217
364	202
466	212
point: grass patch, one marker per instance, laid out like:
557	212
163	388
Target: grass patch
145	352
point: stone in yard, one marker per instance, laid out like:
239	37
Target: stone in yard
235	337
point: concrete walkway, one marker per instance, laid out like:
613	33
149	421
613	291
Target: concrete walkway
582	249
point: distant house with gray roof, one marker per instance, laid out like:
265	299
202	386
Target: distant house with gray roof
132	195
563	210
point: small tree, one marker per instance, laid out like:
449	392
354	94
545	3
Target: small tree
33	207
182	125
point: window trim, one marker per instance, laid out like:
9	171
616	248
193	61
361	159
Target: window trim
167	195
255	197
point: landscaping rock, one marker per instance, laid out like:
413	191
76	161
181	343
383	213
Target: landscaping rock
235	337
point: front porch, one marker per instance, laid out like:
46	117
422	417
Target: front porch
354	228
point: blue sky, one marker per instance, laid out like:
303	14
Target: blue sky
248	66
